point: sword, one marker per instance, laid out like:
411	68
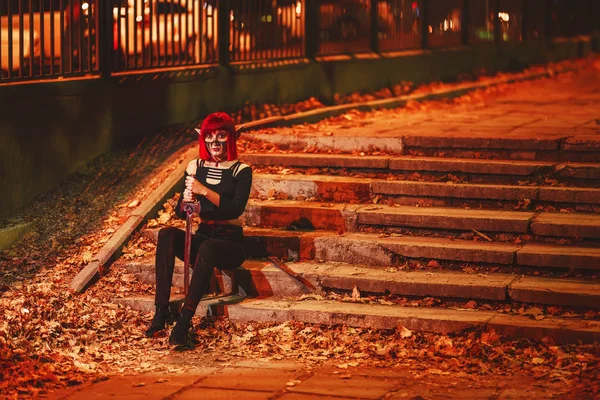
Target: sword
189	209
281	265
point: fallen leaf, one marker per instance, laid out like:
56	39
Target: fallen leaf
405	332
355	293
134	203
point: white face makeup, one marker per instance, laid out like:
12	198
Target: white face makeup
216	144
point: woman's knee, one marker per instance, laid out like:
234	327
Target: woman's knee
168	233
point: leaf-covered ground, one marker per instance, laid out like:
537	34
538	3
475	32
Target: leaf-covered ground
51	337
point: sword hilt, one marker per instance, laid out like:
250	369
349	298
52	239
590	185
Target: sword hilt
190	208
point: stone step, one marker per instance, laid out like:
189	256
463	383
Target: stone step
371	249
345	142
143	268
458	285
407	163
470	166
376	249
451	144
556	256
264	279
255	278
352	189
451	140
555	291
438	320
567	225
344	217
208	306
348	217
445	218
579	170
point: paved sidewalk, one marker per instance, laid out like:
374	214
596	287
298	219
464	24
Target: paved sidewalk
294	381
527	115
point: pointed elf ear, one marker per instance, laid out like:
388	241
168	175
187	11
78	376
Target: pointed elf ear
197	131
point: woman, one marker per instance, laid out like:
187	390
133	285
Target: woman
222	185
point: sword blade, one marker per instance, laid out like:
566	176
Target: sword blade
281	265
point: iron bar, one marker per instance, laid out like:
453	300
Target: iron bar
10	40
31	39
223	29
42	38
21	41
425	24
374	14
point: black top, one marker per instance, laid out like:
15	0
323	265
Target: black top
231	180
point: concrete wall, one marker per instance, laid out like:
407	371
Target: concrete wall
49	130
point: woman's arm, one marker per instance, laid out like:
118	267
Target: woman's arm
232	208
197	188
225	207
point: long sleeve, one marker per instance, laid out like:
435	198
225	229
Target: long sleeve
232	207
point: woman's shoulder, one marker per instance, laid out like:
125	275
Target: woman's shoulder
239	167
191	167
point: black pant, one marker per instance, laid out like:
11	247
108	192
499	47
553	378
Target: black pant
212	246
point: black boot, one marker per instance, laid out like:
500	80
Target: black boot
180	335
162	315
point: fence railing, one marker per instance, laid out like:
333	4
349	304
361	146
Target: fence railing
42	39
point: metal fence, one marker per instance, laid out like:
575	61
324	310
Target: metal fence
163	33
400	25
47	38
65	38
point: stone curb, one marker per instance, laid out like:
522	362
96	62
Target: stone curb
13	233
109	251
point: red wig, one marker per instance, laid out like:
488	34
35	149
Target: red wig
218	121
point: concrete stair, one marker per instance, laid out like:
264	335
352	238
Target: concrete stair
442	321
340	229
381	249
520	168
466	144
446	284
360	190
343	217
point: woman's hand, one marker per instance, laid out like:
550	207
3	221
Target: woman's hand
188	197
192	186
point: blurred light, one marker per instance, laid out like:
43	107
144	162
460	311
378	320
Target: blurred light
139	18
85	6
445	24
430	29
503	16
231	16
299	8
